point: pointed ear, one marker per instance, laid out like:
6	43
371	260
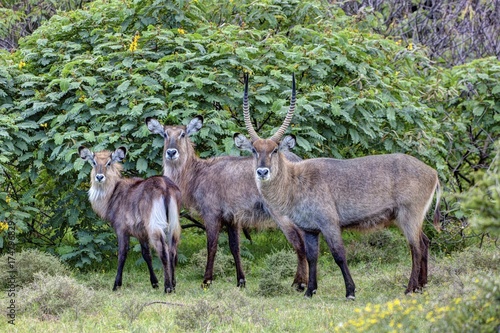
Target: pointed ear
194	125
242	142
287	143
155	127
119	154
86	155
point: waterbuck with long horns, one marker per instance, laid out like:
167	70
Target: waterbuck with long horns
325	195
147	209
222	191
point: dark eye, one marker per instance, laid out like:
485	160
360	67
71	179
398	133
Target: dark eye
275	150
183	134
108	163
254	151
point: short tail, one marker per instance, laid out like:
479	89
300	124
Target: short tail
437	212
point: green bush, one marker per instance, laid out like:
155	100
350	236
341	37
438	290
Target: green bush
378	246
221	308
474	312
223	265
28	263
482	201
277	274
50	296
452	267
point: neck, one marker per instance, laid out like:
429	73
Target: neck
99	197
279	191
183	173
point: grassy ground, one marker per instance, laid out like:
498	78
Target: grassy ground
460	296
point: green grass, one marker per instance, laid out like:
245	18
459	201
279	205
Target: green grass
459	292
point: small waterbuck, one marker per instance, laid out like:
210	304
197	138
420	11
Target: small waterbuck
326	195
147	209
222	191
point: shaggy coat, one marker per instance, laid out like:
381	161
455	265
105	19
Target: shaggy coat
222	191
146	209
325	195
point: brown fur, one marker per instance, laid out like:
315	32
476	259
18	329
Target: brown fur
146	209
325	195
222	191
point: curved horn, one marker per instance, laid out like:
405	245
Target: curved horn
288	119
248	123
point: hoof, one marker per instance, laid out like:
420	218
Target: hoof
299	286
206	284
350	298
154	285
241	283
418	290
169	290
310	293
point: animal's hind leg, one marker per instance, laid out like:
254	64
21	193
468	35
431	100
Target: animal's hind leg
160	246
146	254
424	246
233	232
416	256
410	224
173	260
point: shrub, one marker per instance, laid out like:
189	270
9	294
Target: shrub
223	265
474	312
381	245
277	275
477	311
48	296
222	308
472	259
482	201
29	262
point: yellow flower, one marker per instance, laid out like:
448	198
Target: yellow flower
410	46
133	45
3	226
44	125
21	64
181	31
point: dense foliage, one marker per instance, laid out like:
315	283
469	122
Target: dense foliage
93	75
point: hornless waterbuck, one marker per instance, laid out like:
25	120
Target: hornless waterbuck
325	195
147	209
222	191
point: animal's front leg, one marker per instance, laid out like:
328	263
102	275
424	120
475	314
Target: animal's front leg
311	240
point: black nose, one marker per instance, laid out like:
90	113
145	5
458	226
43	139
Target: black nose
99	177
262	172
171	152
